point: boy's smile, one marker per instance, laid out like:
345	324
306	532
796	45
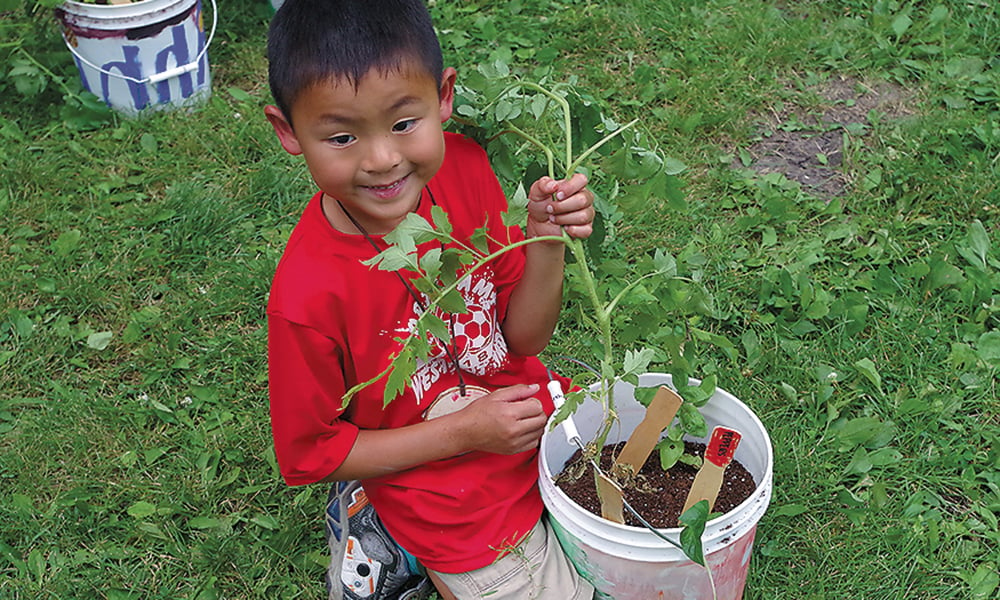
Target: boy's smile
372	146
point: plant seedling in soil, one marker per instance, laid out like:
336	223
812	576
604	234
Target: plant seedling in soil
660	414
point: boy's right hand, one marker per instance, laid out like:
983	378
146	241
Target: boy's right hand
507	421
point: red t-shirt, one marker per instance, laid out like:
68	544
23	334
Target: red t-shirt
332	323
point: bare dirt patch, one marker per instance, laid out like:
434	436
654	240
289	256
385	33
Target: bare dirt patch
806	144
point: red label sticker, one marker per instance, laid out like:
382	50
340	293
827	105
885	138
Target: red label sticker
722	446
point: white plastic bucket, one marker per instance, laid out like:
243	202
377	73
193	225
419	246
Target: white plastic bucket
631	563
151	54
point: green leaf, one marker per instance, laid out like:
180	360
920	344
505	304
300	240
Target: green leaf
938	15
28	79
978	241
205	523
412	231
665	263
984	581
265	522
692	421
440	218
100	340
517	207
24	327
672	166
901	24
239	95
480	240
393	258
67	242
436	326
637	362
141	510
644	395
37	564
867	368
789	392
85	111
694	520
148	143
863	431
430	264
670	452
404	366
452	302
538	104
988	348
943	274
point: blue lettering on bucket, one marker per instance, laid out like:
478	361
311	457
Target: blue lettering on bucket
180	51
131	68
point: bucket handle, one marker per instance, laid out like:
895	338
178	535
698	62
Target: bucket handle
157	77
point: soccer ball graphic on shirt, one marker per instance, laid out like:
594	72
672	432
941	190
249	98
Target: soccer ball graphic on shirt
477	341
477	336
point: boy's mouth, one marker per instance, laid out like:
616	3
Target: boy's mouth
389	190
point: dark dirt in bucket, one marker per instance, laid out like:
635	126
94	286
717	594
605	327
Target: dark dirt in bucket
658	495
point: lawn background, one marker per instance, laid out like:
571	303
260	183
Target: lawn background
135	258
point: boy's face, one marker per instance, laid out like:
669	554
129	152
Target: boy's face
372	147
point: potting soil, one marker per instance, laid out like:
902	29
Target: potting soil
658	495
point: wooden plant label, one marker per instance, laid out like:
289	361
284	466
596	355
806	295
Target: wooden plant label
718	455
611	498
659	415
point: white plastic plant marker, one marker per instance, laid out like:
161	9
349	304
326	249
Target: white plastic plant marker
558	399
719	453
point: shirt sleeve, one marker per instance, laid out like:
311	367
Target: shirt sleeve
306	384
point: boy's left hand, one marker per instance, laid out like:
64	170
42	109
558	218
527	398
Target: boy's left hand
557	205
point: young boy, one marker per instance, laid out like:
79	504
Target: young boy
450	465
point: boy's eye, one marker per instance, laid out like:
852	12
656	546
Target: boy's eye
404	125
342	139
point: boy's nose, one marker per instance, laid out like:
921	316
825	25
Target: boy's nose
382	156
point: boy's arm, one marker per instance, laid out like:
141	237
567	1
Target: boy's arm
536	300
313	442
507	421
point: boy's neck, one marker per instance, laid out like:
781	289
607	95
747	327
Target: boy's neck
340	219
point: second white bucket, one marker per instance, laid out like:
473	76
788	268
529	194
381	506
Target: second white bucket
631	563
151	54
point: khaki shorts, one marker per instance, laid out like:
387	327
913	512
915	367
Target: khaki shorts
537	570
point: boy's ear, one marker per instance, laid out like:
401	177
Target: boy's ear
447	93
286	135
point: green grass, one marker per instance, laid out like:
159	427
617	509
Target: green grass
135	258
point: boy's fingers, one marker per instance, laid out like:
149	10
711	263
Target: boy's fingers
577	203
542	189
516	392
580	231
569	187
546	188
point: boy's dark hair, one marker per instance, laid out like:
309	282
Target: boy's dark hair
310	41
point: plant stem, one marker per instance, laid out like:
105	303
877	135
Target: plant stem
579	159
